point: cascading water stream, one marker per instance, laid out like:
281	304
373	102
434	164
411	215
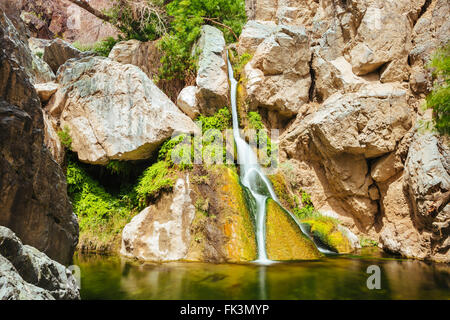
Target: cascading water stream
254	178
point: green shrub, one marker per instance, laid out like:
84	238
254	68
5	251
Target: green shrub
155	179
64	137
221	120
102	48
439	98
187	18
91	202
241	62
143	20
366	242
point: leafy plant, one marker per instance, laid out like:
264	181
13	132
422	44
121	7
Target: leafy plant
142	20
241	62
187	18
91	202
439	98
155	179
119	168
221	120
65	138
366	242
102	48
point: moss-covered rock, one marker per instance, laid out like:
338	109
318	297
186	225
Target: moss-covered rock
224	230
284	239
282	190
326	231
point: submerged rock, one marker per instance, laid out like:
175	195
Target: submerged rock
27	273
113	111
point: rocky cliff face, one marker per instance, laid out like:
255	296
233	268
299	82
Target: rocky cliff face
352	91
48	19
33	195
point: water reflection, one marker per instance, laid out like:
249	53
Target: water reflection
342	277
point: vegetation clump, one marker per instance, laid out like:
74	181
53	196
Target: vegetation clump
65	138
101	215
439	98
102	48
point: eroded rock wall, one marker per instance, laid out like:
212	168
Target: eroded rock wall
353	139
33	192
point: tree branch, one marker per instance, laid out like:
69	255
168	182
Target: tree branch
86	6
222	25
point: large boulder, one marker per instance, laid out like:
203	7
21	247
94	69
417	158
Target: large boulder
212	77
382	38
427	179
13	287
36	274
253	33
278	76
416	209
187	101
113	111
58	51
162	232
33	192
341	156
147	56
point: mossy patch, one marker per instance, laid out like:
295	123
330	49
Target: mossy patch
282	191
325	231
223	230
284	239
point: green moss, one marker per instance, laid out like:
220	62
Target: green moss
366	242
282	191
65	138
284	238
239	63
267	150
325	230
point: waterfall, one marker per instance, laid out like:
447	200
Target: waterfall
253	177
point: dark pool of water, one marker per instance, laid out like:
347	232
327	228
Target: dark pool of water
339	277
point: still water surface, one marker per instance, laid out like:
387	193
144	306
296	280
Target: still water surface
338	277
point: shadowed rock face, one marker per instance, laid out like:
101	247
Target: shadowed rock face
33	195
27	273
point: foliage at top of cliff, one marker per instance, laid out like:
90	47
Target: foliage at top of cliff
439	98
178	24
